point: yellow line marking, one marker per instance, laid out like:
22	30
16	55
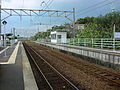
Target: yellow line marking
13	56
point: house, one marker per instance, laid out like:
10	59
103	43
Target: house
58	36
76	27
79	26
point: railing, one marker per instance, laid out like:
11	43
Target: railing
103	43
1	42
107	43
44	40
8	42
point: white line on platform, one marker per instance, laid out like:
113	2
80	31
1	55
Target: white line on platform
4	50
13	56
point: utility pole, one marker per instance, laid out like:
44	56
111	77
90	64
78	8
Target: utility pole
74	21
114	30
114	37
73	18
4	23
0	19
113	10
114	27
14	32
14	35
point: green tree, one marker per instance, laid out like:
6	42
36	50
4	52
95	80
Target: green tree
99	27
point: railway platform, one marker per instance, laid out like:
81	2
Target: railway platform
15	70
49	69
1	48
108	58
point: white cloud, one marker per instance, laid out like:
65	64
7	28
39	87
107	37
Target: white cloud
20	4
29	3
11	4
67	1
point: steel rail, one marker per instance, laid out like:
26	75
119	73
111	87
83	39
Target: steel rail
92	68
55	69
40	70
88	68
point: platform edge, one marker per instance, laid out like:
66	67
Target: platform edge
29	80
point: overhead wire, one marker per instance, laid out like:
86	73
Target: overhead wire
50	1
48	4
94	5
43	2
118	8
94	8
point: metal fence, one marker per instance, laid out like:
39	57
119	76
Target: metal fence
103	43
8	42
1	42
107	43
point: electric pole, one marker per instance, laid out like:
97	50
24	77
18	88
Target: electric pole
0	19
114	30
74	21
73	18
14	32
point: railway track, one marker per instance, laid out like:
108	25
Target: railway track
110	77
52	79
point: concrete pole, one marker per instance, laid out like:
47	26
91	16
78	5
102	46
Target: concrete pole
73	17
5	39
114	37
74	20
0	19
114	31
14	35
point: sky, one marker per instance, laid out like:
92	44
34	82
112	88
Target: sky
25	26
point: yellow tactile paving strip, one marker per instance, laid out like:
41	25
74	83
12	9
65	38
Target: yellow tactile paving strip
13	56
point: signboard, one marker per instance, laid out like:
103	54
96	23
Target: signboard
116	34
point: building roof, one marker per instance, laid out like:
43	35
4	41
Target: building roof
60	30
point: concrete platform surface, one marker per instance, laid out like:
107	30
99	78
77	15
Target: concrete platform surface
6	53
1	48
16	73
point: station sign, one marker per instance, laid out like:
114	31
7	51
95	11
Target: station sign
116	34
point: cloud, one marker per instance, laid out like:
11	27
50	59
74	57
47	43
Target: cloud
11	4
20	3
30	3
66	1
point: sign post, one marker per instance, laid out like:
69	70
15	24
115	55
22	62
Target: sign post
4	23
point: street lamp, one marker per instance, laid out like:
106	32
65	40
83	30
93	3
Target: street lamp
4	23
